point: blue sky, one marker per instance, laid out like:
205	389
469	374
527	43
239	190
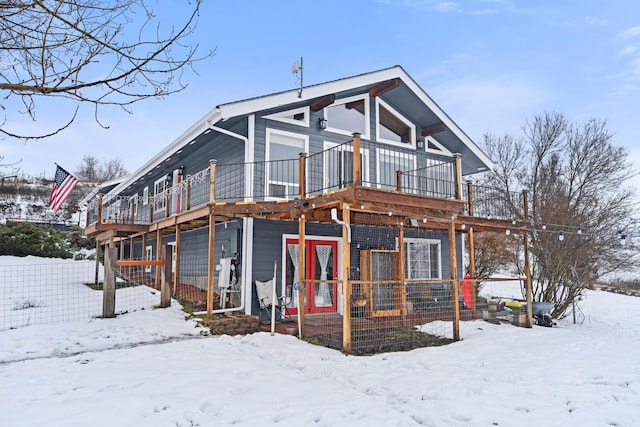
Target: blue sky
490	64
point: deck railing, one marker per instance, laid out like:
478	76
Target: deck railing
378	165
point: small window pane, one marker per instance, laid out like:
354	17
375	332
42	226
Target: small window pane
349	117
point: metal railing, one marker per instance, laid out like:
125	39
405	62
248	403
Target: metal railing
380	166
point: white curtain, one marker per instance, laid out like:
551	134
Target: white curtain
323	296
293	253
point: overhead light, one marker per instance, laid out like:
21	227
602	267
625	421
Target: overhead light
424	219
463	225
561	236
507	231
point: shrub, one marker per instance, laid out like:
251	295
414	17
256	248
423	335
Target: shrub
22	239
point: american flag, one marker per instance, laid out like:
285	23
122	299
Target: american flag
63	184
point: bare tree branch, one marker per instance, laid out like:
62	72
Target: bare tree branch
84	51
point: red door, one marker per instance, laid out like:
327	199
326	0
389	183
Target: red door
321	266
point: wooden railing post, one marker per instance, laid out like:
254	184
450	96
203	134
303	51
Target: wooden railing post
398	181
470	197
458	165
99	219
356	160
212	181
302	178
302	284
187	194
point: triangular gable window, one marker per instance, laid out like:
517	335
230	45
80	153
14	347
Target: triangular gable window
298	116
434	146
392	127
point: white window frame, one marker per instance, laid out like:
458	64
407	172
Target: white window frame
148	257
173	247
442	151
268	134
283	116
367	116
438	243
380	152
145	196
159	203
364	164
411	126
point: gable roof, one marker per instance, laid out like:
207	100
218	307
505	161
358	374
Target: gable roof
294	96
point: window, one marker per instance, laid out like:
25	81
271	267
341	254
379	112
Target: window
159	197
348	116
133	205
422	259
283	151
391	161
145	196
392	127
338	166
298	116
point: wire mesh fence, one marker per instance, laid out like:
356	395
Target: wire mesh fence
36	292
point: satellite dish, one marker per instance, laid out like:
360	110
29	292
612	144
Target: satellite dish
295	67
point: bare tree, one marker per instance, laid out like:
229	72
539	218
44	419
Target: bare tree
580	199
92	170
84	51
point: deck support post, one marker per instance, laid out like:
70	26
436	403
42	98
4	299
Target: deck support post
176	273
346	282
453	265
212	237
402	273
302	284
527	266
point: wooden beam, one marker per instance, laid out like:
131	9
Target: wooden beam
384	87
472	273
319	103
433	129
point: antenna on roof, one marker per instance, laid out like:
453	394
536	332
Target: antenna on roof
294	70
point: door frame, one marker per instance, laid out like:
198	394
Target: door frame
283	263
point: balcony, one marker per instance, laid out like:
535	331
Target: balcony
379	179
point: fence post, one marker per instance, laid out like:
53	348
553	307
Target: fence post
165	288
109	285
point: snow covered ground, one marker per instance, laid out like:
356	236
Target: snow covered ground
154	368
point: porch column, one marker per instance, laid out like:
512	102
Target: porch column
176	273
